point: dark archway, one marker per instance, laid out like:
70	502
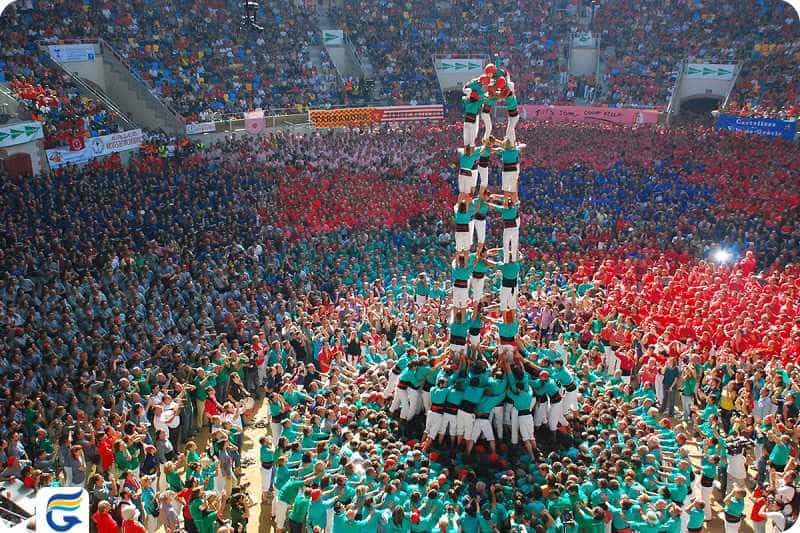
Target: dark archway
698	109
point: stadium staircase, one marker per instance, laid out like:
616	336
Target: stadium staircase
342	54
134	97
93	91
9	105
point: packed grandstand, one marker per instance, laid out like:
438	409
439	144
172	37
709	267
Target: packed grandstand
552	299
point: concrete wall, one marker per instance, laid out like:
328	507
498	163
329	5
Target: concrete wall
89	70
35	149
697	87
583	61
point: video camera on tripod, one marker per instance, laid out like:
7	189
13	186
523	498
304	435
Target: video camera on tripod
736	445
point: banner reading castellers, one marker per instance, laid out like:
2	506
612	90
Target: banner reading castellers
95	147
771	127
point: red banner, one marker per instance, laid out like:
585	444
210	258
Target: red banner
609	115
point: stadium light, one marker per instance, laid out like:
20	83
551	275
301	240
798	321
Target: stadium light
721	256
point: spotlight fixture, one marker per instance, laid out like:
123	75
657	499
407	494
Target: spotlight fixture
250	15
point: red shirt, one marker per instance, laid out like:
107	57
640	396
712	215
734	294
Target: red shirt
211	407
105	522
131	526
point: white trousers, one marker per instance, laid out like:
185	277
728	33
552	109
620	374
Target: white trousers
477	285
279	509
399	399
508	412
480	230
409	410
425	396
732	527
150	523
481	426
449	424
486	118
277	430
707	492
511	244
470	132
497	420
483	174
391	385
571	401
433	424
460	296
510	180
540	414
555	415
464	239
525	426
464	423
266	479
458	349
511	129
464	180
612	361
474	340
659	388
508	298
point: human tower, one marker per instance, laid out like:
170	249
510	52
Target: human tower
470	268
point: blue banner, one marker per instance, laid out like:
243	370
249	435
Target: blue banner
771	127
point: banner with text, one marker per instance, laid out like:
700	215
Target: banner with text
95	147
333	37
200	127
771	127
609	115
709	71
20	133
70	53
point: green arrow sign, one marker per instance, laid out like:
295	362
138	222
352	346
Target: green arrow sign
20	133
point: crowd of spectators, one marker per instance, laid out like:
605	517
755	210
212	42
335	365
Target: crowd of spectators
646	42
141	305
767	85
401	38
48	94
225	67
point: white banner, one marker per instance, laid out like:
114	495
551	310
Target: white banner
200	127
20	133
95	147
333	37
584	39
69	53
710	71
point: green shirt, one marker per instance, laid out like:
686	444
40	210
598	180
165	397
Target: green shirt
508	330
689	385
780	454
510	270
300	508
735	507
